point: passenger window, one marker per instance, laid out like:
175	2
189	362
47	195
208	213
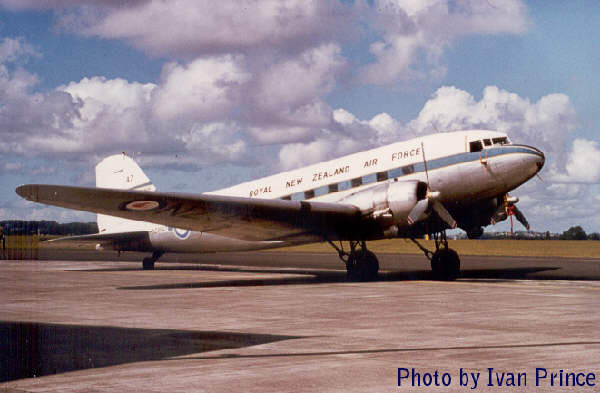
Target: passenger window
357	182
395	173
321	190
407	170
487	142
299	196
333	187
368	179
344	185
309	194
287	198
475	146
381	176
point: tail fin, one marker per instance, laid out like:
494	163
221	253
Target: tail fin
121	172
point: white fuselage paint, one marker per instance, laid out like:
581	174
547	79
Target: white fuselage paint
459	175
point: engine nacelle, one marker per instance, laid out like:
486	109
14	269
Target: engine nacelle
391	201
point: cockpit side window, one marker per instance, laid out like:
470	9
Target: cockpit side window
487	142
475	146
500	141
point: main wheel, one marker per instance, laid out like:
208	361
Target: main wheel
445	264
475	233
362	266
148	263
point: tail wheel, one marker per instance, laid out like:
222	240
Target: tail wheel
362	266
445	264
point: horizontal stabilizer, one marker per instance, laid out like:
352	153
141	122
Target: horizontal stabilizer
131	241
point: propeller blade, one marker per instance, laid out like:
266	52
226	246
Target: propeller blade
519	215
443	214
417	210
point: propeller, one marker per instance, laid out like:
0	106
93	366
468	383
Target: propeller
514	211
417	211
507	209
431	199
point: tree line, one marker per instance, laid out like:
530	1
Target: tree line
18	227
577	233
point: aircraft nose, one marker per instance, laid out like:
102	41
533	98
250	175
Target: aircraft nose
541	160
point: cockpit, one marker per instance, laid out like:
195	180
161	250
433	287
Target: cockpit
480	144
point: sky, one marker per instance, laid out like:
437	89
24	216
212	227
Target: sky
206	94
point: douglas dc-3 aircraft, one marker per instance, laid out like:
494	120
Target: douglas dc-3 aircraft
407	189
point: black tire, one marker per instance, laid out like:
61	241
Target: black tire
362	266
148	263
445	264
475	233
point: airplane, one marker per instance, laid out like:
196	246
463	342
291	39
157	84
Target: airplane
422	186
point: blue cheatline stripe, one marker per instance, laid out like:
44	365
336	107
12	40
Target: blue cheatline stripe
417	167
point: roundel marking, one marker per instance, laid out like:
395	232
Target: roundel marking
181	233
142	205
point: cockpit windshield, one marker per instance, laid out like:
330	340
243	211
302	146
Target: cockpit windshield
500	141
479	145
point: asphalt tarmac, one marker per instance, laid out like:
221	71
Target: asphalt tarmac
289	322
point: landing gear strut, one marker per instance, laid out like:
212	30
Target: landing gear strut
445	263
148	262
361	264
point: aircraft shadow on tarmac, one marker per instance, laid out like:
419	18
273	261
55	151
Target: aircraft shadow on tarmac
399	350
307	276
30	350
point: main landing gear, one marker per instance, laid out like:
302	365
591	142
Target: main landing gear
148	262
361	264
445	263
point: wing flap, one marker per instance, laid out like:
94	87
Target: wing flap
242	218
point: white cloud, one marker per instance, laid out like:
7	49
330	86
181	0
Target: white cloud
20	5
25	114
100	93
194	28
15	49
284	102
300	80
415	33
97	116
205	89
583	164
381	129
12	166
546	123
347	134
220	142
327	146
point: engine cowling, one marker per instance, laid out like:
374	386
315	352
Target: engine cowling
391	201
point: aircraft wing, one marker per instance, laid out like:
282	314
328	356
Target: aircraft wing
242	218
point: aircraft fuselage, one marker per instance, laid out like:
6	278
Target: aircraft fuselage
466	167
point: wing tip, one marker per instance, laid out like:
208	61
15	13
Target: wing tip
25	191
